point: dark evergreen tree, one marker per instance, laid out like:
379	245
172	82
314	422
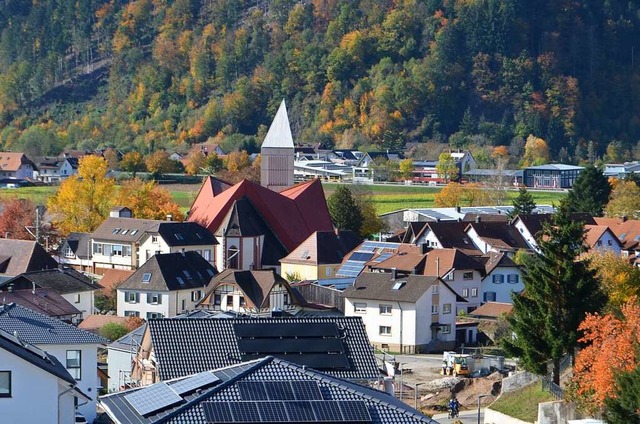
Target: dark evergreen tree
558	291
622	408
344	210
523	204
590	192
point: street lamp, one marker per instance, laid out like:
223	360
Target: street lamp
415	396
480	397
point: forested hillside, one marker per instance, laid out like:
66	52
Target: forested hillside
374	74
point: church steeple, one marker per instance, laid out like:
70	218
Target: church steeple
277	152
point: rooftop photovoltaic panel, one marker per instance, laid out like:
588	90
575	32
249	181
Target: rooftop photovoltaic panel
272	412
252	390
278	390
383	257
355	410
217	412
153	398
245	412
297	330
195	382
306	390
327	411
300	411
361	256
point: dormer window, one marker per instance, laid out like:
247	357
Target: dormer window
146	277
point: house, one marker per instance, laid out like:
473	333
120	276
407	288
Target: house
76	251
621	170
20	256
34	386
319	256
465	160
530	226
209	147
495	237
502	277
16	165
76	288
172	348
266	390
166	285
255	226
120	356
368	158
44	301
172	237
446	235
601	238
253	292
553	176
55	169
490	319
277	153
408	259
76	349
407	314
349	157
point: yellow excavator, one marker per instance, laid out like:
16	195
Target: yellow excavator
456	364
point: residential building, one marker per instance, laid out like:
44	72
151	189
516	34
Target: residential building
44	301
76	251
407	314
447	235
265	390
173	237
349	157
76	349
166	285
552	176
120	356
55	169
16	165
252	292
602	239
172	348
319	256
370	158
277	153
78	289
20	256
34	386
502	277
530	226
495	237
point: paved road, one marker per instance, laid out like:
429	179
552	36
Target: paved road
467	417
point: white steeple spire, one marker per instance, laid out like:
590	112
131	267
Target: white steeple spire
279	134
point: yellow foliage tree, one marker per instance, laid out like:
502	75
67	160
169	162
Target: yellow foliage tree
536	151
405	169
147	200
195	161
620	280
456	194
237	161
624	201
83	201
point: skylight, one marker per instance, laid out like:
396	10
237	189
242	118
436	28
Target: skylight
115	231
180	281
398	285
186	274
146	277
133	232
179	236
124	232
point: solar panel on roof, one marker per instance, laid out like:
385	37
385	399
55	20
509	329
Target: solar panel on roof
244	412
319	329
153	398
252	390
361	256
272	412
383	257
195	382
300	411
217	412
279	390
327	411
306	390
354	410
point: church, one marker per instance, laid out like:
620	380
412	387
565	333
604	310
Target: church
259	224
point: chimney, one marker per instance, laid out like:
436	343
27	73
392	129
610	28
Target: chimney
33	290
624	218
11	288
478	219
169	217
394	274
438	266
458	209
424	248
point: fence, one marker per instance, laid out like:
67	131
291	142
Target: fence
314	293
552	388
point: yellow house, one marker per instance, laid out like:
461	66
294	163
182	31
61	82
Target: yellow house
319	256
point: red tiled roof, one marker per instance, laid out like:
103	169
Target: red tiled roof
593	233
293	214
94	322
441	261
112	278
492	310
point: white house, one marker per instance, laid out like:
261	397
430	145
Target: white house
120	356
601	238
16	165
495	236
166	285
76	349
34	386
407	314
76	251
502	277
173	237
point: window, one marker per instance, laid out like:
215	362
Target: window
327	272
133	232
446	308
131	313
115	231
610	242
446	329
187	274
179	236
195	295
76	298
151	315
451	275
436	289
286	299
131	297
385	330
5	383
116	250
434	309
385	309
184	304
465	292
599	243
243	302
513	279
232	257
180	280
467	275
498	279
474	292
210	272
217	299
490	296
230	300
207	254
154	298
360	308
68	253
154	239
74	363
146	277
124	232
126	251
97	248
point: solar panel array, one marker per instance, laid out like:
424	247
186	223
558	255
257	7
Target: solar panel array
153	398
195	382
297	411
279	390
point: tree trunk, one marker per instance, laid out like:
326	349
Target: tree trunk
556	371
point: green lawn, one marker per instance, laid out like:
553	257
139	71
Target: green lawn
523	403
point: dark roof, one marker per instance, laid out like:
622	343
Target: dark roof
130	341
500	235
382	407
171	271
18	256
35	356
39	329
45	301
78	243
534	222
190	345
452	235
492	260
62	281
380	286
124	229
185	234
324	247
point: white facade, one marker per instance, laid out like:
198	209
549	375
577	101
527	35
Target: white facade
119	368
152	244
498	285
37	396
84	301
406	326
229	297
243	253
428	237
157	304
466	283
526	235
116	255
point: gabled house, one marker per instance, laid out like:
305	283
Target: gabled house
172	237
320	255
76	251
407	314
166	285
34	386
368	158
409	260
530	226
602	239
78	289
16	165
20	256
172	348
446	235
253	292
44	301
345	156
502	277
76	349
55	169
265	390
495	237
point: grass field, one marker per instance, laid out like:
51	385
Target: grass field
386	197
523	403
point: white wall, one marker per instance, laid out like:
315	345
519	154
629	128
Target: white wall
502	290
86	303
142	306
118	362
459	285
477	241
528	237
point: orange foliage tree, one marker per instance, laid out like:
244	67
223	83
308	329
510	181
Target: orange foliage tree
147	200
16	216
612	343
456	194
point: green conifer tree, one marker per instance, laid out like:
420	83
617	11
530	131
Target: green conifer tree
523	204
344	210
590	192
623	406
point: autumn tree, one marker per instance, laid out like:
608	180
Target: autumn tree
147	200
159	163
371	222
195	161
133	162
111	156
456	194
236	161
17	215
113	330
447	167
624	201
559	289
344	211
83	201
523	204
405	169
619	279
536	152
590	192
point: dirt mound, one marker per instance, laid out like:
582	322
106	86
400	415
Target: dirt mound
466	391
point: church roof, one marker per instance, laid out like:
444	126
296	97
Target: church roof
279	134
